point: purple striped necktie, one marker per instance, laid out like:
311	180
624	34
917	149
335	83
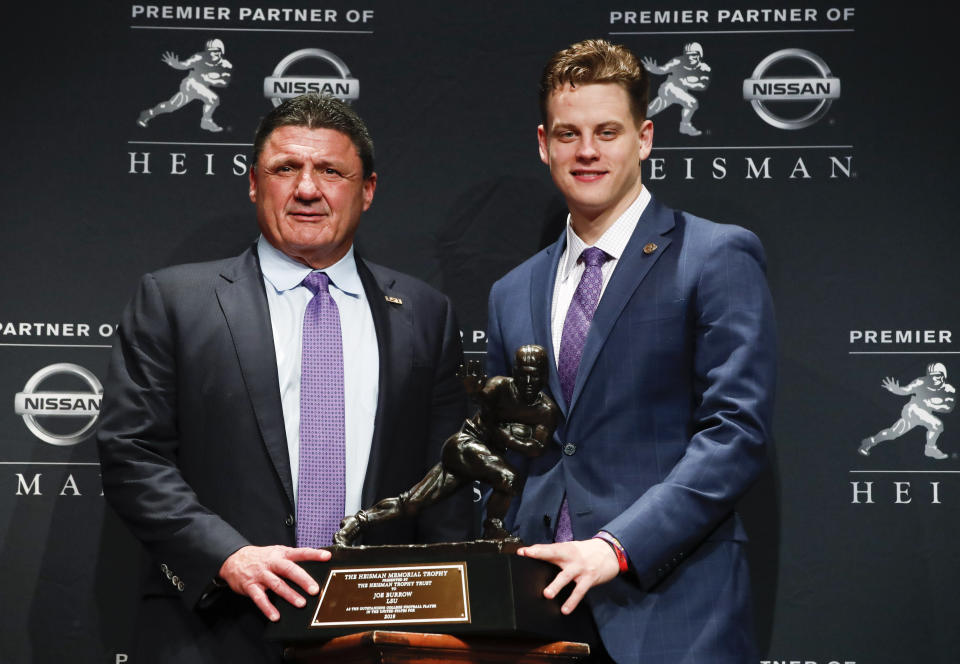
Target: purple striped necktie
575	328
321	478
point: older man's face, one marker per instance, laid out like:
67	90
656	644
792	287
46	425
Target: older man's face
309	190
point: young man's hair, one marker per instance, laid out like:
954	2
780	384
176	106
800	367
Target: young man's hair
596	61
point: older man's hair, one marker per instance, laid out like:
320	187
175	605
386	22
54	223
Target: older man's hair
315	111
596	61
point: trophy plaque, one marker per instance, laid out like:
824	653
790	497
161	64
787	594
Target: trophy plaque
464	588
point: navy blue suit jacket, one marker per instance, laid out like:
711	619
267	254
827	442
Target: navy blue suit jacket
665	430
194	452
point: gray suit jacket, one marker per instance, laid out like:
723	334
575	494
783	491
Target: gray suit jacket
193	450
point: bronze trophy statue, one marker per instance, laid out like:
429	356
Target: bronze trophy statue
477	588
514	415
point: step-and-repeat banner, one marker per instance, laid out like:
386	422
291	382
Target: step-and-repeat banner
827	129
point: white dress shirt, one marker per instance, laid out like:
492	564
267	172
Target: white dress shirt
287	300
569	271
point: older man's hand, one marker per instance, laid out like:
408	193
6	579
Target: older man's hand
253	570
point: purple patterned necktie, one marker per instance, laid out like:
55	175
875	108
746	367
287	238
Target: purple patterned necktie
321	479
575	328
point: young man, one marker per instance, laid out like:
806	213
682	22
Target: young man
660	330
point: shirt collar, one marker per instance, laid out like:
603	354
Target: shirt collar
285	273
614	240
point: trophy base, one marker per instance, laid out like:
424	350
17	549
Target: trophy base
381	647
461	588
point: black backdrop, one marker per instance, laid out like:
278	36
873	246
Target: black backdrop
854	559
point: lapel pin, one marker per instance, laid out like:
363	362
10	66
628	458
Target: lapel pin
392	300
649	248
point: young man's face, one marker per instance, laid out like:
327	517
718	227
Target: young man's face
594	148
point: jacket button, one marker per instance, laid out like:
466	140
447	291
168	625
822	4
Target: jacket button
569	449
180	586
290	520
163	567
169	574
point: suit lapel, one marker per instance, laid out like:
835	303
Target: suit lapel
541	305
244	305
394	327
631	269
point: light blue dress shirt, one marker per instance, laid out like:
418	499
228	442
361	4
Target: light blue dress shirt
287	300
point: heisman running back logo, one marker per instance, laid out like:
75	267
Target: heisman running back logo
687	73
928	394
207	69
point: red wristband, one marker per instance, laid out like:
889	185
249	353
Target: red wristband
622	562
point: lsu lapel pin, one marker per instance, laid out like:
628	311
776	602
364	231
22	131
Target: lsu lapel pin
392	300
648	249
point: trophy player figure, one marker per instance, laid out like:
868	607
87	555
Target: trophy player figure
514	415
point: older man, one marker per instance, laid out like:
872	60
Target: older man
254	401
